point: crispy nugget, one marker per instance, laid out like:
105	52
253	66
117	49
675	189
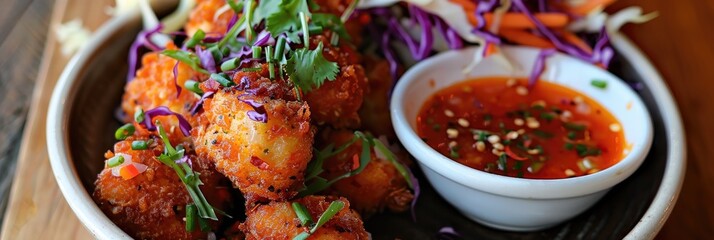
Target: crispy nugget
375	108
211	16
278	220
152	204
154	86
263	145
379	186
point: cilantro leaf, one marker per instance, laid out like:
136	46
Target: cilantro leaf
283	18
309	68
332	22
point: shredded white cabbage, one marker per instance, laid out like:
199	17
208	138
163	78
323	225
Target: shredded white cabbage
178	18
72	35
150	21
122	6
596	19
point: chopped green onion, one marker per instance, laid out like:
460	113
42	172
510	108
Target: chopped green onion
248	12
314	30
222	78
453	152
547	116
257	51
191	212
192	86
574	126
572	135
124	131
305	32
335	207
230	64
601	84
186	57
502	163
115	161
335	39
196	39
348	12
236	6
139	145
379	146
542	134
302	213
279	49
269	59
535	167
568	146
139	115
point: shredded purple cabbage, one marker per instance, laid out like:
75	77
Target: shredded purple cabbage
207	60
143	39
175	72
450	35
199	104
539	66
417	191
185	159
164	111
264	38
481	8
447	233
258	113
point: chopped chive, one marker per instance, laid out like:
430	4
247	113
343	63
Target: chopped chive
222	78
335	39
203	223
237	6
542	134
229	64
302	213
192	86
257	51
574	126
248	12
547	116
139	115
454	152
535	167
139	145
348	12
572	135
196	38
436	127
305	32
269	59
115	161
335	207
124	131
502	163
191	212
279	48
487	117
601	84
314	30
568	146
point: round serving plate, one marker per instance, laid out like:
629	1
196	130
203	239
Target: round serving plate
80	128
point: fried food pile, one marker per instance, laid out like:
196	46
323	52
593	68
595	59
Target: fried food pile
236	136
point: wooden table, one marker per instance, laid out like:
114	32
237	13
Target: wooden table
679	43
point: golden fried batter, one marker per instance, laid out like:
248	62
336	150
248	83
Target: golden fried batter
377	187
266	161
152	204
154	86
375	109
211	16
336	102
277	220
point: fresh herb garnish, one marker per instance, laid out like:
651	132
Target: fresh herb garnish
601	84
185	57
139	145
335	207
124	131
308	69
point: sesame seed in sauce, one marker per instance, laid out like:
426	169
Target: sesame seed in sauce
480	146
463	122
569	173
512	135
532	123
452	144
615	127
578	100
521	90
496	152
533	151
518	122
493	139
540	103
452	133
448	113
511	82
498	146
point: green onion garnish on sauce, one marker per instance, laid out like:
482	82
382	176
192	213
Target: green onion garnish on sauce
124	131
601	84
115	161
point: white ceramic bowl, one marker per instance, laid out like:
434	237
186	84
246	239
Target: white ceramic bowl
513	203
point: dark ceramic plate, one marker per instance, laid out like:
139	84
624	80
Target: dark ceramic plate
93	86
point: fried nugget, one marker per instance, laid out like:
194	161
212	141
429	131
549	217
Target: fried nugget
377	187
375	108
152	204
336	102
278	220
263	145
211	16
154	86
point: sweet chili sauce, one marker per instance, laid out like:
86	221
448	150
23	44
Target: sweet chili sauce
500	126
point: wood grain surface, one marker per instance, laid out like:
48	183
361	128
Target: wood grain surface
679	42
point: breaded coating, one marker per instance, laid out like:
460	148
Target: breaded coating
377	187
152	204
354	24
154	86
336	102
211	16
375	108
266	161
278	220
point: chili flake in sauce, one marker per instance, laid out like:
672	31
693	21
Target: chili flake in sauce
499	126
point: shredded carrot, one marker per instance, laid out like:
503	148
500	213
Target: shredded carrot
129	171
575	40
523	37
520	20
491	49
